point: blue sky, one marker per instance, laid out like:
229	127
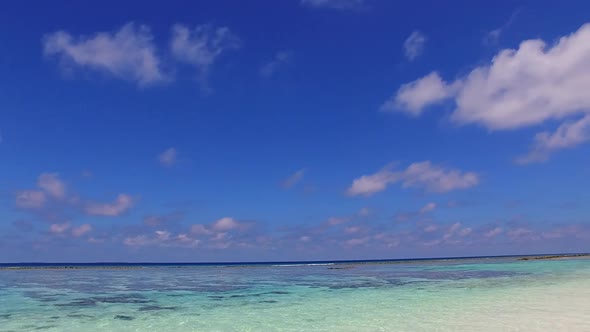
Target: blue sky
293	130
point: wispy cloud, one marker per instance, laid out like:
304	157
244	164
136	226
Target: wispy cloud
161	220
128	53
59	229
281	59
121	205
168	157
294	178
81	230
28	199
567	135
422	175
201	46
493	232
414	45
493	36
428	208
334	4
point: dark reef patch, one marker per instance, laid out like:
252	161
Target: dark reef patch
123	298
80	316
124	317
156	308
279	292
81	303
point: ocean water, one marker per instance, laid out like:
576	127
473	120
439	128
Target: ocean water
493	294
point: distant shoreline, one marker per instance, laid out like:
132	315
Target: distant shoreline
329	264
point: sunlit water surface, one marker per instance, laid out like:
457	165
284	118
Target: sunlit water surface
494	294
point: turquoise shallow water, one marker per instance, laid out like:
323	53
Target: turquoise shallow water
500	294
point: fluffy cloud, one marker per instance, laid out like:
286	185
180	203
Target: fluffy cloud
334	4
121	205
128	53
226	224
422	175
294	178
281	59
51	187
52	184
30	199
518	88
414	97
201	46
414	45
168	157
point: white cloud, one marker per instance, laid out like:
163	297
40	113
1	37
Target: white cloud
369	184
414	97
334	4
428	208
161	238
453	235
30	199
352	229
465	231
332	221
128	54
494	232
81	230
519	88
281	59
430	228
52	184
422	175
199	229
414	45
520	232
436	178
357	241
59	229
119	206
364	212
294	178
201	46
225	224
567	135
168	157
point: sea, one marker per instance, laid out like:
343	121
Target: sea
455	294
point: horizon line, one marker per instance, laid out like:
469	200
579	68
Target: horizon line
305	261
